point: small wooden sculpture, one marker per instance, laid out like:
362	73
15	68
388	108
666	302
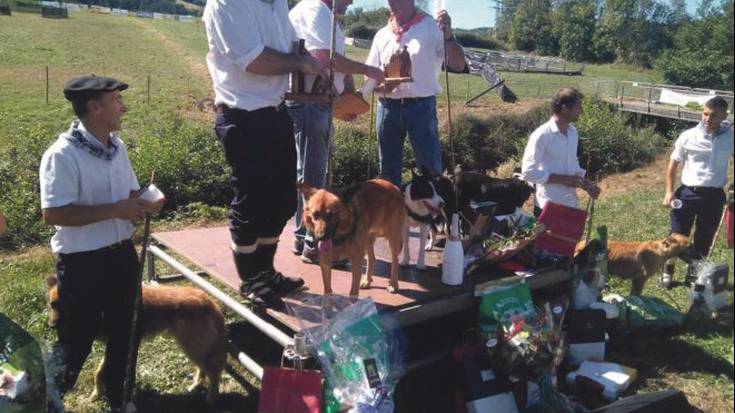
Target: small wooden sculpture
319	92
399	69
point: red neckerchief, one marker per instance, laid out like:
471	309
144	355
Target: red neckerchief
399	29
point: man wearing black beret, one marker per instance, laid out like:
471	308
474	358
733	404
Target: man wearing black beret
91	195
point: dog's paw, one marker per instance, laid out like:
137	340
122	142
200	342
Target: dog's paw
392	289
365	283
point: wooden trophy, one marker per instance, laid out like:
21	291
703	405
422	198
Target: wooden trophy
320	90
399	69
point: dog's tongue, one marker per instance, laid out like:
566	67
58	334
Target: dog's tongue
325	246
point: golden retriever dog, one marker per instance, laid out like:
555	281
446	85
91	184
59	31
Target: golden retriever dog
639	260
188	314
347	224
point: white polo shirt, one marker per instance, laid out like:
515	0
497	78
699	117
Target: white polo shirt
425	44
237	32
705	157
547	153
72	176
312	21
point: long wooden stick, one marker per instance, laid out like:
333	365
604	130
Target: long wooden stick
132	357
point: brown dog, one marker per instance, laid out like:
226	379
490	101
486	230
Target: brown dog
639	260
186	313
346	226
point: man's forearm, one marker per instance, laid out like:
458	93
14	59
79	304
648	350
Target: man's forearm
455	56
78	215
671	171
272	63
342	64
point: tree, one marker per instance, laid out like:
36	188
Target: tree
531	29
574	26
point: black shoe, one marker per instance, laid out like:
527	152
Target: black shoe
258	291
298	246
285	285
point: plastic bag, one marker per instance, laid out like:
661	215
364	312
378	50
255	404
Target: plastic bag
22	378
359	350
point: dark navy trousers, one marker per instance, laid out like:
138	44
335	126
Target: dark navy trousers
701	208
96	295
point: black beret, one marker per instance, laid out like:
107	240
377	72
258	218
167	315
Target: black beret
85	85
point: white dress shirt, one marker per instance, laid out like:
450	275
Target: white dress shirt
72	176
312	21
547	153
237	33
705	157
425	44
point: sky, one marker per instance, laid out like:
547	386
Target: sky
470	14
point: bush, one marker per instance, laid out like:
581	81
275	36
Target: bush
702	68
361	31
354	151
20	197
482	143
188	161
608	145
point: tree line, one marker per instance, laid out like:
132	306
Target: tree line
694	51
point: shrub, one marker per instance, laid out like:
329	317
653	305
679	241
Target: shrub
608	145
354	150
19	189
188	161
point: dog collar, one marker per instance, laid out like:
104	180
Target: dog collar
424	219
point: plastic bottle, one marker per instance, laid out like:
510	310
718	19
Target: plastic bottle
453	258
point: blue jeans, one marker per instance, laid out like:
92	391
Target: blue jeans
312	126
417	117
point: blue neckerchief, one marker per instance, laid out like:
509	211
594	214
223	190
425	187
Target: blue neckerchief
76	137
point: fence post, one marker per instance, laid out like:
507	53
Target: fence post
622	93
149	89
650	92
47	87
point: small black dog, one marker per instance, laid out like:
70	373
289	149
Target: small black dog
508	193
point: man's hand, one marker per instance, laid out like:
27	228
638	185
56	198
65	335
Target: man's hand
667	199
310	66
444	22
375	73
591	188
131	209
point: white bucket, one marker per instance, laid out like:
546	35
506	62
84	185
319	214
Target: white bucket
453	258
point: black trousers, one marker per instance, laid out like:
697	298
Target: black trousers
701	206
96	295
259	147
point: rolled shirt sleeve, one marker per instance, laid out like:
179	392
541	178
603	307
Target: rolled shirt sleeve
531	170
237	46
679	152
59	178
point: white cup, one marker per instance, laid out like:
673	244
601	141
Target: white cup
152	194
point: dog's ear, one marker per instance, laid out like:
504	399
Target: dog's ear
307	190
51	281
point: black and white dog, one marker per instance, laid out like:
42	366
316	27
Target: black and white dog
424	205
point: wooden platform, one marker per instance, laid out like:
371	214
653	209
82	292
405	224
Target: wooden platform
422	295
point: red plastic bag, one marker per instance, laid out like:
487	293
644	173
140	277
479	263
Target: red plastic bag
286	390
564	229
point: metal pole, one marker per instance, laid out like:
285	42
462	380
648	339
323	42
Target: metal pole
449	124
370	134
332	55
268	329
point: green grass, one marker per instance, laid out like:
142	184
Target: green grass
700	361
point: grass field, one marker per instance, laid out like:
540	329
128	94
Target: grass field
700	362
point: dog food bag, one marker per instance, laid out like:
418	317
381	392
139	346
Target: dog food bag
645	313
22	378
360	353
